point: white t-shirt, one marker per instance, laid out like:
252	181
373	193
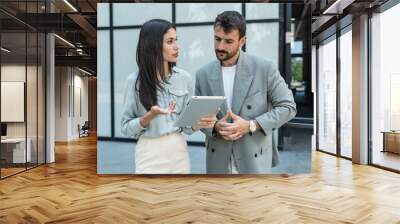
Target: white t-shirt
228	77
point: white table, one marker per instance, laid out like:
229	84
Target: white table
18	150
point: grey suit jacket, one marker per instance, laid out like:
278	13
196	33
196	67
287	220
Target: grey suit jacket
259	93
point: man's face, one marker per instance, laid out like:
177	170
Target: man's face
228	44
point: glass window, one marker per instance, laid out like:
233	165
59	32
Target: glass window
125	42
13	83
327	97
385	84
103	14
262	11
196	47
296	47
202	12
103	84
346	94
32	101
41	99
126	14
263	40
297	83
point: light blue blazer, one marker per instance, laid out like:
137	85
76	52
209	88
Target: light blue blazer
259	93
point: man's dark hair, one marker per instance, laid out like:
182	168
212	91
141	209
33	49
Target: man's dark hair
231	20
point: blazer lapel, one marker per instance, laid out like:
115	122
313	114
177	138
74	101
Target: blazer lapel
242	83
217	87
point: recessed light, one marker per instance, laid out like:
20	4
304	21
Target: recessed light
70	5
5	50
64	40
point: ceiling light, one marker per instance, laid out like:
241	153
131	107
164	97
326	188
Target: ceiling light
84	71
337	7
70	5
5	50
65	41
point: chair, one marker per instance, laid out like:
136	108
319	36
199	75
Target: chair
84	130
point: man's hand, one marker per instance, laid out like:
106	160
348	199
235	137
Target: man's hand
206	122
242	126
221	125
233	131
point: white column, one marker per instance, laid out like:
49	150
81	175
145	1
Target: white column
360	90
314	91
50	109
50	92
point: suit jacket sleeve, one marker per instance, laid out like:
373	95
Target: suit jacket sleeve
281	99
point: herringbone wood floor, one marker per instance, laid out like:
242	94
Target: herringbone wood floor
70	191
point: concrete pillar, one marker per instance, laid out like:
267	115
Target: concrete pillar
360	90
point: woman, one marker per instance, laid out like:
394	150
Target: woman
154	97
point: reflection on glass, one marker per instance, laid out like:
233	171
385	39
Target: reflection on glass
296	47
126	14
197	47
103	84
263	40
31	100
346	94
103	14
297	83
202	12
327	97
125	42
385	86
262	11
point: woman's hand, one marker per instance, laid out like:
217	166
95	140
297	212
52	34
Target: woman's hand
157	110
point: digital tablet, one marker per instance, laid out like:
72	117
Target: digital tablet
198	106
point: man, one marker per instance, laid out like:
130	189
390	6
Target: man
258	102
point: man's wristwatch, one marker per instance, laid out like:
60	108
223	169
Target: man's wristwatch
252	126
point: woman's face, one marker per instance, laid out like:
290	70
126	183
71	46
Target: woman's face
170	46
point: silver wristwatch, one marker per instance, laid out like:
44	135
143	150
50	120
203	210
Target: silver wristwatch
253	126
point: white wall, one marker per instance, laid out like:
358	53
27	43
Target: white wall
12	73
33	126
71	87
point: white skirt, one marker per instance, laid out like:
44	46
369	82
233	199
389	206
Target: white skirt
167	154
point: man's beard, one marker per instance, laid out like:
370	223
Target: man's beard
226	55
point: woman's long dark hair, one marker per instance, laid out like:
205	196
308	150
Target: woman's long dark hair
150	60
